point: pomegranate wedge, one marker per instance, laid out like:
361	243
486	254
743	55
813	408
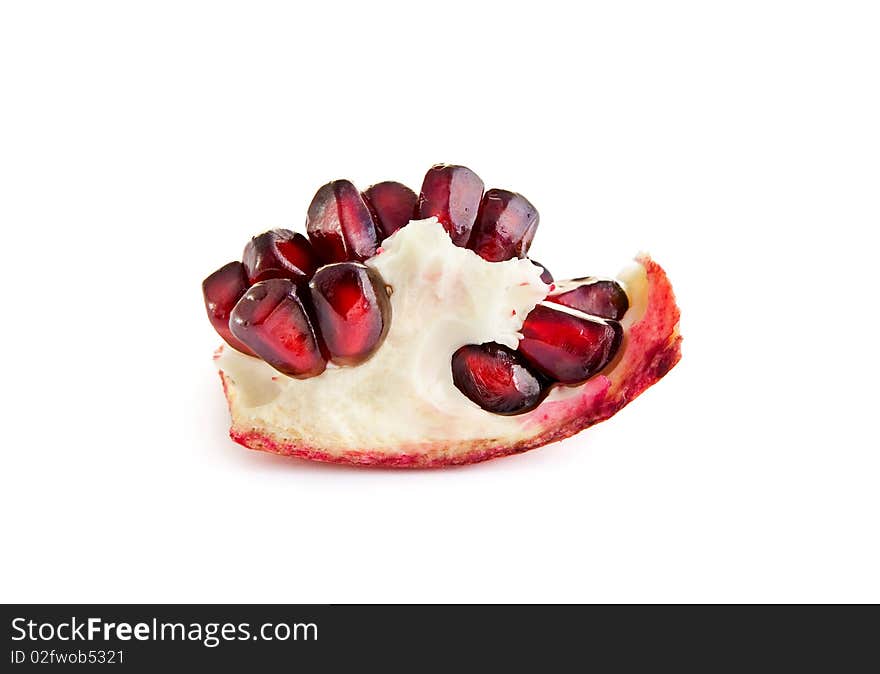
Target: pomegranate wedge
447	345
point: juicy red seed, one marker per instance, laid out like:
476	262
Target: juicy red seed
497	378
279	253
339	224
392	205
222	290
546	276
599	297
452	194
272	320
505	226
352	310
568	348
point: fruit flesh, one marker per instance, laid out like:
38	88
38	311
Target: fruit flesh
416	432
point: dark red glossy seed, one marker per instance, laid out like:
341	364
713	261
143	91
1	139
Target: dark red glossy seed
272	320
497	378
568	347
221	291
452	194
505	226
599	297
352	310
279	253
392	205
340	225
546	276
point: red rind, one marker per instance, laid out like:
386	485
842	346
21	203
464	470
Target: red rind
651	349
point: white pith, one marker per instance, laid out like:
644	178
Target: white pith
443	297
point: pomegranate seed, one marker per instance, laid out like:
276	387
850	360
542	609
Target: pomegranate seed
352	310
497	378
339	224
546	276
568	346
279	253
272	320
599	297
392	205
505	226
452	194
222	290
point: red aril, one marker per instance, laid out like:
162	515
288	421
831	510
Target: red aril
546	276
566	345
392	205
598	297
279	253
497	378
352	311
505	226
452	194
272	320
221	291
340	225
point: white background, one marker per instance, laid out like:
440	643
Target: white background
143	143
